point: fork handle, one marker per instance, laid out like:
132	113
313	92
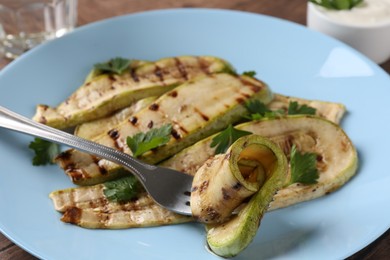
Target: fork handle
16	122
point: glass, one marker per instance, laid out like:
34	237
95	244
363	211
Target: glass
27	23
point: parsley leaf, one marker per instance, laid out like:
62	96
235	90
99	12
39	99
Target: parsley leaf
45	151
143	142
303	167
226	138
117	65
337	4
250	73
121	190
295	109
258	110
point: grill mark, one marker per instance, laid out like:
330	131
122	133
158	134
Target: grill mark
72	215
159	73
181	68
240	100
150	124
226	194
254	88
203	186
212	214
43	120
175	134
204	66
173	93
134	75
237	186
154	107
114	134
133	120
205	118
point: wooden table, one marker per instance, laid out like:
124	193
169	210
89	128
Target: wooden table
93	10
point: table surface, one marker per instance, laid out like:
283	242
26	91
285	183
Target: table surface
290	10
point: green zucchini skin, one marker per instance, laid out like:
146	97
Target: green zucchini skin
337	164
229	238
299	130
102	94
196	109
92	129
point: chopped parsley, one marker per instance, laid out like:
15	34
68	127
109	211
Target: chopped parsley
116	65
295	109
250	73
303	167
121	190
257	110
226	138
143	142
45	151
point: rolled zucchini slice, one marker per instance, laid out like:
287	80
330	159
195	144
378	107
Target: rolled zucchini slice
229	238
337	158
223	182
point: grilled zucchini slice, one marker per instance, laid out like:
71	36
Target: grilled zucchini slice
196	109
103	94
337	159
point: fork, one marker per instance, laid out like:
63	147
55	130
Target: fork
168	188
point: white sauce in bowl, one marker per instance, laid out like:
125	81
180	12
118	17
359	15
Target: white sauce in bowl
367	13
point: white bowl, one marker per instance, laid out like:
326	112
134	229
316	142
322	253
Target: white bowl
371	39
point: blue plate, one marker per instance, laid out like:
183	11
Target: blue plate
290	58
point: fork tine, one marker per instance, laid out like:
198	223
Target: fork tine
167	187
170	189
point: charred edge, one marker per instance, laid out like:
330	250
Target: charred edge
72	215
154	107
44	107
66	155
150	124
74	173
159	73
205	118
134	75
133	120
181	68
